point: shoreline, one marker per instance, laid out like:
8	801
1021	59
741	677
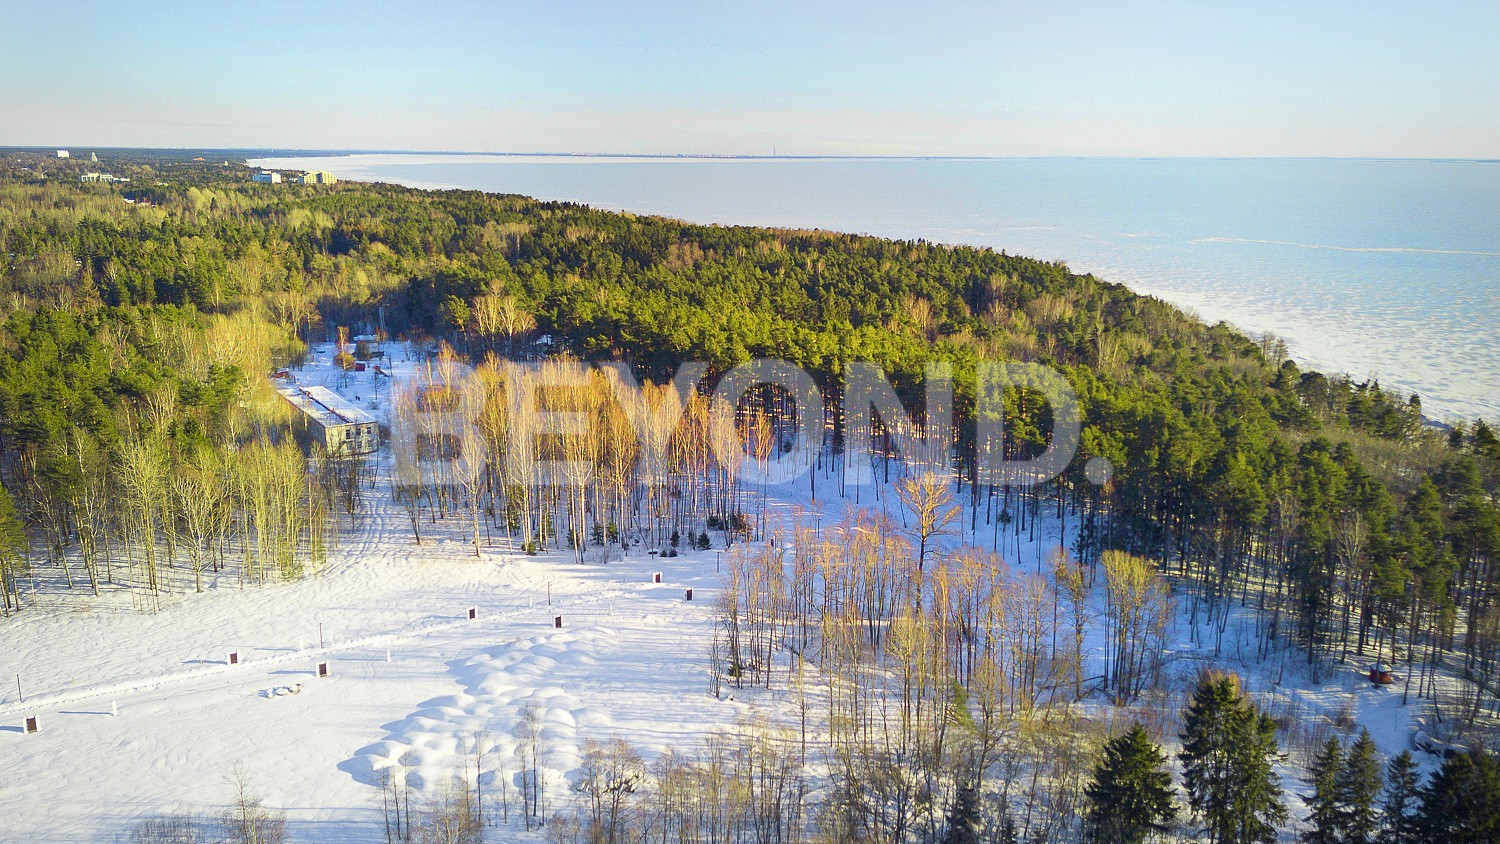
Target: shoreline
1204	304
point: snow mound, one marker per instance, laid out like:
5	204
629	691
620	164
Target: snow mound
439	739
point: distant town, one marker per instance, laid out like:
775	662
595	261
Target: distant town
265	177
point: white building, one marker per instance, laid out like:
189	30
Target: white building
62	153
315	177
332	421
267	177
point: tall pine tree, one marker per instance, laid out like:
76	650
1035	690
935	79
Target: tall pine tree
1358	788
1228	750
1398	808
1323	805
1130	796
1260	809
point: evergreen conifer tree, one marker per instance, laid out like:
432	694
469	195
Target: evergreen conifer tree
1398	807
1130	796
1260	809
1007	833
1228	750
1461	803
1323	816
1208	754
964	820
1357	789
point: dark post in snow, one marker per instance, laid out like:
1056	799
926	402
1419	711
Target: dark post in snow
32	725
656	577
557	621
473	613
688	596
322	669
234	658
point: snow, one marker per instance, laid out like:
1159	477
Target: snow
629	661
414	683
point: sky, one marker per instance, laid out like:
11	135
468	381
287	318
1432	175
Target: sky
1268	78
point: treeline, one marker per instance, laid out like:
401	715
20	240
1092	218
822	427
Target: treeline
139	455
140	444
753	787
926	683
939	691
1358	530
630	464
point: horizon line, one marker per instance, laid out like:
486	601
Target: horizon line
319	152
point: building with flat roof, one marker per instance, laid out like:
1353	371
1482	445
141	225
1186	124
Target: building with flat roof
102	177
62	153
316	177
266	177
331	421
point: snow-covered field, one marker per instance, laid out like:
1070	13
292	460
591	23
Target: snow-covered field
141	714
408	670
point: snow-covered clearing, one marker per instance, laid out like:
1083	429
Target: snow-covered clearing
628	661
413	679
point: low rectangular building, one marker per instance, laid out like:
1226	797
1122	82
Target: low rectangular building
316	177
332	422
266	177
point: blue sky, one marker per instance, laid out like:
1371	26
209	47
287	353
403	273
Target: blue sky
1336	78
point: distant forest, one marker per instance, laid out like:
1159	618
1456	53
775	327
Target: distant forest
140	321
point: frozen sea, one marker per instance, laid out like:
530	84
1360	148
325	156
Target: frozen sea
1377	268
